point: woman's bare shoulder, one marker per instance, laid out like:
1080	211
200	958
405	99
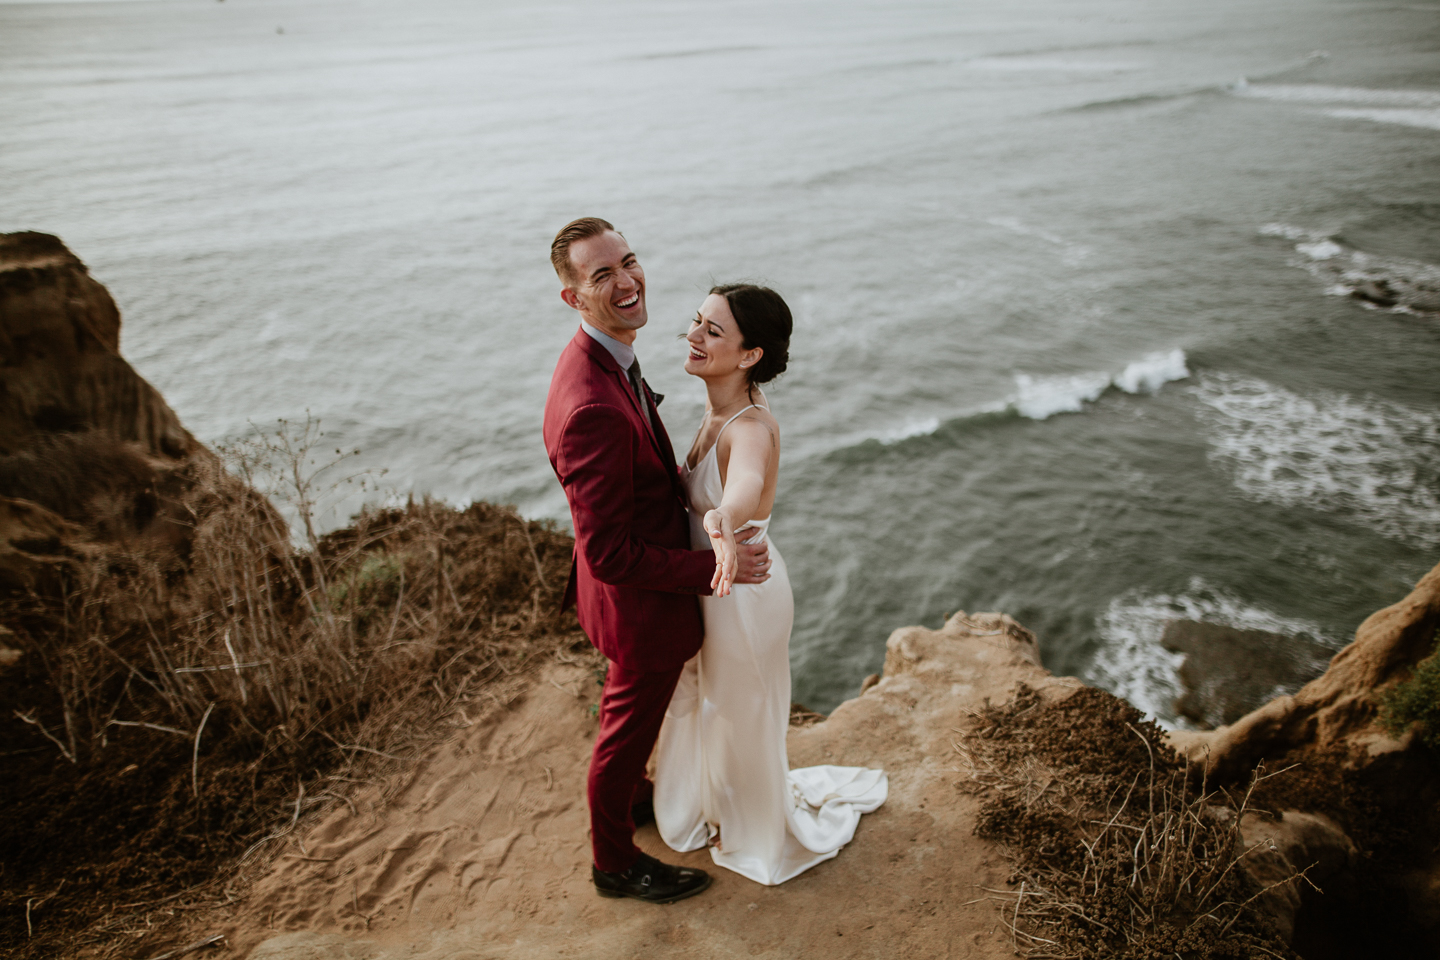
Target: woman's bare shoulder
756	424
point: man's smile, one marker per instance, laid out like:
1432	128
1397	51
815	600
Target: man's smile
629	301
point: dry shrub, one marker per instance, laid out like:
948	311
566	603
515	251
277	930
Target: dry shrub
1118	856
183	707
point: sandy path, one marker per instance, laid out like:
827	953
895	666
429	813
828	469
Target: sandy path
482	851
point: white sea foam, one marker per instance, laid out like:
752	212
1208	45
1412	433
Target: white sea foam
1324	93
1320	249
1410	108
915	427
1403	285
1149	374
1042	397
1285	230
1425	119
1373	462
1132	663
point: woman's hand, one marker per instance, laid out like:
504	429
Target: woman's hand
722	540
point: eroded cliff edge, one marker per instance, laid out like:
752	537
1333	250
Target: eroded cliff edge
88	449
1364	805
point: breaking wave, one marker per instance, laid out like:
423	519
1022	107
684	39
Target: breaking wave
1042	397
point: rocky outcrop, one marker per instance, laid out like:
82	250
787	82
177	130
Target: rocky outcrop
60	350
89	451
1277	849
1228	671
1339	707
1383	791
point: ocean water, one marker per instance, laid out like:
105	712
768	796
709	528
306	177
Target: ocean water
1072	278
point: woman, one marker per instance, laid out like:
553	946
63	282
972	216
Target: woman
722	774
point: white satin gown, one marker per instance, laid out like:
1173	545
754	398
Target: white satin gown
722	772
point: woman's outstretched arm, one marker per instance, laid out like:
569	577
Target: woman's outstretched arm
753	441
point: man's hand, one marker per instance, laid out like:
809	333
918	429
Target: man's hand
754	562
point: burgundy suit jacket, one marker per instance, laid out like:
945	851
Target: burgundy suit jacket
634	578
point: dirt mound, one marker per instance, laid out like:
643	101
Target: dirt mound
481	850
173	723
182	681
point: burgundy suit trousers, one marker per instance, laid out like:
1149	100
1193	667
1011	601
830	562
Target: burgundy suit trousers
632	708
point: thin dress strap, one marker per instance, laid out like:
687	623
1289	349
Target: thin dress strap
727	423
732	420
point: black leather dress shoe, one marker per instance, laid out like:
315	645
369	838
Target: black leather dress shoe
643	813
651	881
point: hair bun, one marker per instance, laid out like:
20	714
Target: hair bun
765	322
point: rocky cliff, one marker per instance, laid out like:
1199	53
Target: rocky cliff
1337	709
1361	805
60	350
89	451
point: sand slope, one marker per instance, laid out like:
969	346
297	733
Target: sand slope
482	851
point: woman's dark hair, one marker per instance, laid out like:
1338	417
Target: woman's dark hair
764	321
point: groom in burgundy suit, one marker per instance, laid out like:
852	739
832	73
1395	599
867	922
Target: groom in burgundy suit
634	578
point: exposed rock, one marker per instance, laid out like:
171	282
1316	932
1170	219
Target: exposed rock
31	540
1387	791
1377	292
1278	850
1339	705
1227	672
89	451
60	349
1387	283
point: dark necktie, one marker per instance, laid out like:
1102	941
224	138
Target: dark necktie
634	372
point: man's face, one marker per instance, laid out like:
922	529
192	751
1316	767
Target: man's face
609	286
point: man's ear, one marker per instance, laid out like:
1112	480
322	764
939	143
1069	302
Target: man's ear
570	297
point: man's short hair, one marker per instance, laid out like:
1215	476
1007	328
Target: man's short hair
582	229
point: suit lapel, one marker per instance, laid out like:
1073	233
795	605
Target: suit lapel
652	426
662	441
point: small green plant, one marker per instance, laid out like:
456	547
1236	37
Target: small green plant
1416	700
377	580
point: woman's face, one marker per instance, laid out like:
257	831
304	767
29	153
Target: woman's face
716	346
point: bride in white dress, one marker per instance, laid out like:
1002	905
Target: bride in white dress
722	774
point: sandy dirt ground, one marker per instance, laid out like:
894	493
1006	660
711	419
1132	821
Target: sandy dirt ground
481	851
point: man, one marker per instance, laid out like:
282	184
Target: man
634	579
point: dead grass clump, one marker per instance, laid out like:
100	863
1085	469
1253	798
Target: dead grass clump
1117	856
174	711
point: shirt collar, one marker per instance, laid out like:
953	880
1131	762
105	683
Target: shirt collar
623	353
